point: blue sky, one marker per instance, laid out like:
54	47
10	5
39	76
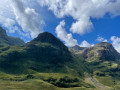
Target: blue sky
74	22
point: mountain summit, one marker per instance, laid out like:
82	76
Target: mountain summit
103	50
47	37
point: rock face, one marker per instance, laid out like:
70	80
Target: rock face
76	49
101	51
8	40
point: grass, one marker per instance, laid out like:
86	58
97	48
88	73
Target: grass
117	87
31	84
107	80
110	82
42	81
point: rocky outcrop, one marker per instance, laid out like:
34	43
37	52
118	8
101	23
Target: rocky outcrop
103	51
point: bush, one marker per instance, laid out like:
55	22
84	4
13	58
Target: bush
29	76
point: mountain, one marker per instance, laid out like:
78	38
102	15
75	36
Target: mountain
76	48
45	53
8	40
102	51
102	62
47	37
46	63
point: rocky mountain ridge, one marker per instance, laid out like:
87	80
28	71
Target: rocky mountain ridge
48	60
9	40
103	50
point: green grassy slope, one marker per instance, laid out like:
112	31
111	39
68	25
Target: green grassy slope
40	55
46	63
102	63
45	81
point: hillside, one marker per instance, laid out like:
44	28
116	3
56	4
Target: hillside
103	63
50	65
41	55
9	40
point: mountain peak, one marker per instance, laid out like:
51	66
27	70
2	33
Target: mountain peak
43	37
47	37
2	32
104	44
103	50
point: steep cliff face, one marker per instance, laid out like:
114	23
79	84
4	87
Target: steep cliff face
101	51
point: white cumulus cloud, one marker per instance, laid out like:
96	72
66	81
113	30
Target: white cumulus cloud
21	14
85	44
27	18
64	36
116	42
82	11
101	39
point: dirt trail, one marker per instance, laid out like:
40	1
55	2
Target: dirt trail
97	84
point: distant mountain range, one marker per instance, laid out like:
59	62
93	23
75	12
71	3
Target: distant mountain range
76	48
47	59
8	40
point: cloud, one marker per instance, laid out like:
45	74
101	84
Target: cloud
81	27
68	38
7	18
85	44
82	11
27	18
64	36
116	42
9	23
101	39
22	14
